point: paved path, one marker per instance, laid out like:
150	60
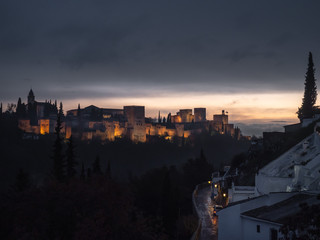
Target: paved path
209	229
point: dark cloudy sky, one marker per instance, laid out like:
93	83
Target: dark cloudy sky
247	56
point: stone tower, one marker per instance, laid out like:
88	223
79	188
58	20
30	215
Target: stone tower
31	97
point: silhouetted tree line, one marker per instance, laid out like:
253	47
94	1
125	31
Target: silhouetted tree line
64	188
165	195
95	208
92	205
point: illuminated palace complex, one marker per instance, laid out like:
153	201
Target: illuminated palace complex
107	124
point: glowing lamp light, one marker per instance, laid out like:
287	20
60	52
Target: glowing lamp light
224	195
209	182
215	185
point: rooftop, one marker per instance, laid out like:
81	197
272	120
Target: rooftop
282	211
306	153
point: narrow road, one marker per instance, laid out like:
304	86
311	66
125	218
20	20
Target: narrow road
205	207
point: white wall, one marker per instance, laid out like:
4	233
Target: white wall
230	223
266	184
250	229
235	196
238	193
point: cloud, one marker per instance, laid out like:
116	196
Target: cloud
172	46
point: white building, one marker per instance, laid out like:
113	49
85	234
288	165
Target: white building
297	169
261	217
239	193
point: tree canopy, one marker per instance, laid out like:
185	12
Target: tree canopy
307	108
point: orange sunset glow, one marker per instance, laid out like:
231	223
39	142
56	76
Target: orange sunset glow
241	107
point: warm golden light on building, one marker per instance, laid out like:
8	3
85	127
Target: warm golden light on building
44	126
68	132
186	134
106	124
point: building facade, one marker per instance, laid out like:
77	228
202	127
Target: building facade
106	124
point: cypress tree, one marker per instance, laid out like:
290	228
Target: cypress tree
71	162
108	171
82	175
96	168
89	173
79	111
58	159
19	108
61	110
169	118
307	108
169	204
22	181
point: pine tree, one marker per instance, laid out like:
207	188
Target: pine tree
169	204
310	92
89	173
58	158
108	171
83	174
19	108
61	110
22	181
79	111
96	168
169	118
71	162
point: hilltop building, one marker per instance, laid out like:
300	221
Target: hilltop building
106	124
136	125
200	115
37	117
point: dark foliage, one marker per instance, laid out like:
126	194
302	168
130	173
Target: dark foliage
97	209
160	206
165	194
96	168
58	157
35	156
22	182
71	161
306	223
21	109
108	171
310	92
82	174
